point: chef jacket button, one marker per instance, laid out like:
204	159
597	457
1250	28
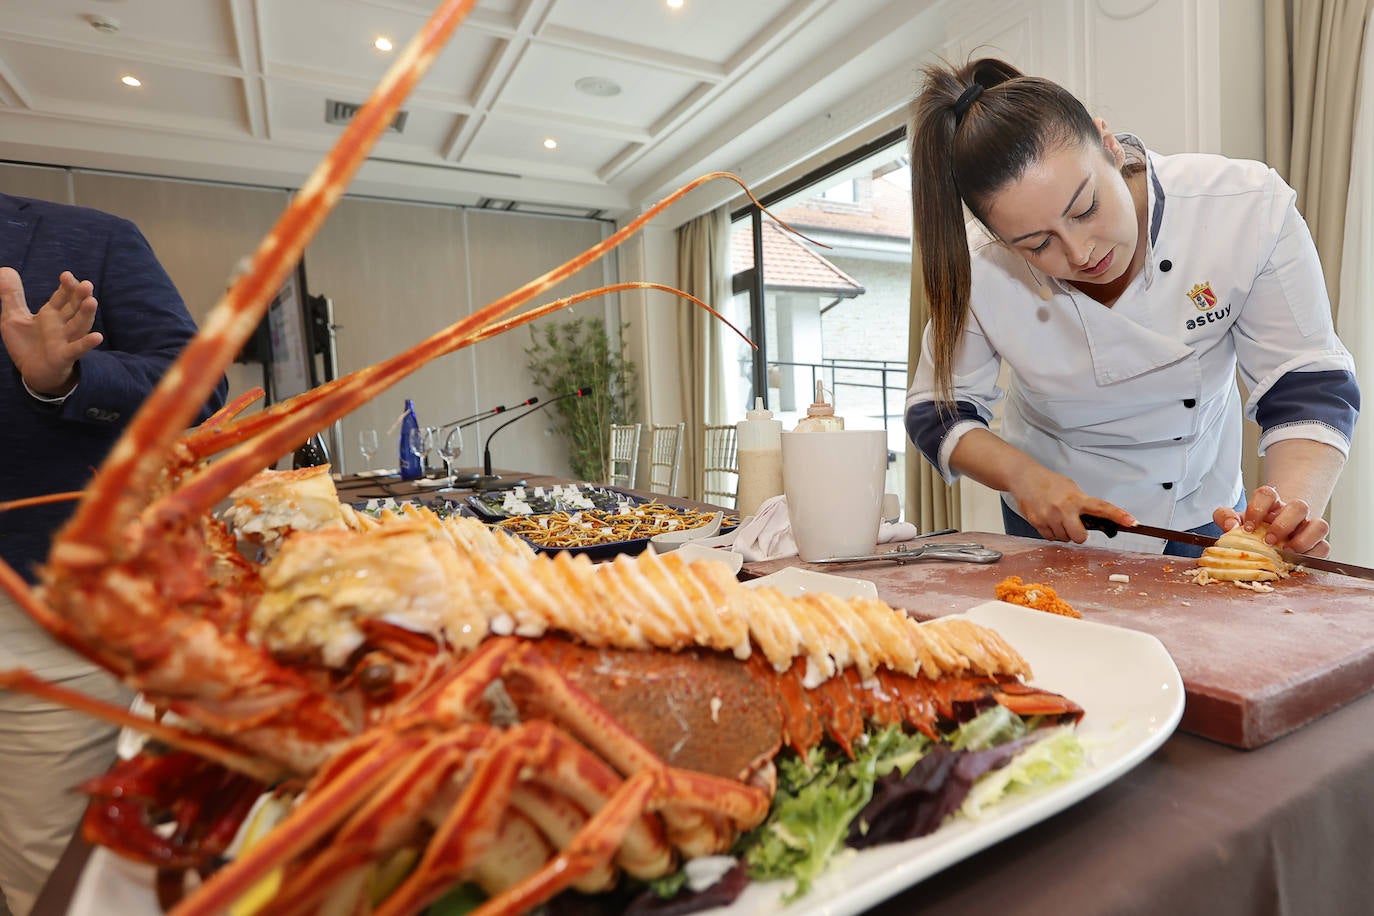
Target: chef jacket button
1166	265
1190	403
1168	486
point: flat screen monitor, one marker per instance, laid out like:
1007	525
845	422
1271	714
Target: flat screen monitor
291	356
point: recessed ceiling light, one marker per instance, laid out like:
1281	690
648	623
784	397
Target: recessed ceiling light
598	86
674	4
383	43
550	143
131	81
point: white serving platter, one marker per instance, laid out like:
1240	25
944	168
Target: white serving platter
1124	679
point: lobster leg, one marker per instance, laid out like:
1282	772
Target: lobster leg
470	828
593	845
552	696
1025	700
207	803
597	841
25	682
321	812
392	817
558	819
696	832
386	821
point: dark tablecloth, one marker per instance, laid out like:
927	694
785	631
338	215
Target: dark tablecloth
1197	828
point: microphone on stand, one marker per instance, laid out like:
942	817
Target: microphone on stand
466	478
490	481
489	412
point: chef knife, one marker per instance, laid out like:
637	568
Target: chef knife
1110	528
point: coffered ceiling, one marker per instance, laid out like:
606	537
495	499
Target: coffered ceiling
638	96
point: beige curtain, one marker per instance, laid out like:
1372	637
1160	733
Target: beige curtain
1312	64
931	503
703	269
1352	536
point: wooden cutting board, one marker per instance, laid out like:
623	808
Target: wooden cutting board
1255	665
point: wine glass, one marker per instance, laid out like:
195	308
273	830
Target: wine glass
368	445
449	449
415	445
431	453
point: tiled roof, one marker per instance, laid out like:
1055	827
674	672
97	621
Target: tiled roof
884	210
788	264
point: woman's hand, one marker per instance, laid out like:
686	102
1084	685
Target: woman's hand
1054	504
1291	527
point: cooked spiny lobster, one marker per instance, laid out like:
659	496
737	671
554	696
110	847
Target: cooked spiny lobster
403	742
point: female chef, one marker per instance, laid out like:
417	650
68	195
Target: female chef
1122	289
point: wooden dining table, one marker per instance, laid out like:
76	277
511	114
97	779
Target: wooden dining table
1197	827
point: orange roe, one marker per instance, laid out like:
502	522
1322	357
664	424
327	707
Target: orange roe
1035	595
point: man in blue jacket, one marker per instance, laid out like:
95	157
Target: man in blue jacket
75	365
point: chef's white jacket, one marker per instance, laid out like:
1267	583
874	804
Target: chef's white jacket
1137	403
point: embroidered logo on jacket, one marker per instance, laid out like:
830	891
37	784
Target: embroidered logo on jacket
1206	301
1203	297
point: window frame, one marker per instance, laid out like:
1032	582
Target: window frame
751	280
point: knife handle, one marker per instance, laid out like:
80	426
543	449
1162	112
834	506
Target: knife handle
1098	523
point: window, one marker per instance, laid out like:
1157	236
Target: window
835	309
843	193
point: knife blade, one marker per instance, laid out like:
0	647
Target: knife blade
1110	528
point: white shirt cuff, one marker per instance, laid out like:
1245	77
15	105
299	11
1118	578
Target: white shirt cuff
1313	430
952	437
46	398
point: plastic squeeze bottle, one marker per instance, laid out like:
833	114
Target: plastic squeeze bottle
759	439
411	469
820	416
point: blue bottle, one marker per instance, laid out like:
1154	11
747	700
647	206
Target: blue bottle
411	468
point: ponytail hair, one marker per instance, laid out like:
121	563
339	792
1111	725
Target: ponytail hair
974	130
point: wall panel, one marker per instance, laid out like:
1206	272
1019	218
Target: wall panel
41	182
396	273
506	250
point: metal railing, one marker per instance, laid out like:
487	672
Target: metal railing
884	369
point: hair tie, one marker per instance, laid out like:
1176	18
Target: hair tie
966	98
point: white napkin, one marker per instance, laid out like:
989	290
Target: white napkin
767	535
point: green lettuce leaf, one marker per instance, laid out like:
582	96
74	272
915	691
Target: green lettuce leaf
816	800
1053	758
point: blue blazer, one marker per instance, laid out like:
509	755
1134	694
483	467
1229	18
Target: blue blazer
145	324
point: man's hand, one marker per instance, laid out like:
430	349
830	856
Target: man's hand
45	346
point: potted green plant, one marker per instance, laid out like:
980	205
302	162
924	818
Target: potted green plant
578	353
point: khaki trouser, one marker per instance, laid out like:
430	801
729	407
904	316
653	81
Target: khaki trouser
45	751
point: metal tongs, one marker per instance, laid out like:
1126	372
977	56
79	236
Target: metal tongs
963	553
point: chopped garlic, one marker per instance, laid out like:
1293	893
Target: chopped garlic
1118	577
